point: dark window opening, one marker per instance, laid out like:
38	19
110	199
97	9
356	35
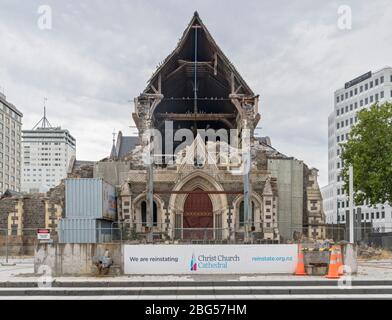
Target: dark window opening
144	214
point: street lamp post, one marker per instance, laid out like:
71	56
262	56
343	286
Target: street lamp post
351	204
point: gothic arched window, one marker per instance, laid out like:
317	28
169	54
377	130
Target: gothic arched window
241	217
144	214
155	215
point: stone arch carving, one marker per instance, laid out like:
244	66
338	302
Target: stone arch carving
203	181
258	201
160	209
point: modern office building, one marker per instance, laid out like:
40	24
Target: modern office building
47	151
357	94
10	146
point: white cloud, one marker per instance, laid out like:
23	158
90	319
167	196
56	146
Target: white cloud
100	55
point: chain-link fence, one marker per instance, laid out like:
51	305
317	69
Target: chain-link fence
17	244
21	243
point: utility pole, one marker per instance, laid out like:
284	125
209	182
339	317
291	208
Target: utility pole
195	107
247	191
149	182
351	204
150	199
246	206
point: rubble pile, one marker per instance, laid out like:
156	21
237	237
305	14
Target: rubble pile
367	252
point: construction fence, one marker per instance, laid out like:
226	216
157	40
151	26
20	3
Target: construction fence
20	243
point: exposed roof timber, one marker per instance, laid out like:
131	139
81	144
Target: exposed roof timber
158	84
196	117
152	96
215	64
222	117
208	63
220	81
176	71
153	88
243	97
189	67
197	21
236	90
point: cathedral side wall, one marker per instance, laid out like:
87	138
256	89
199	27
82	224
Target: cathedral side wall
115	173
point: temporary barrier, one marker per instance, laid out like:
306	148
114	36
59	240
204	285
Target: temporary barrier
300	269
207	259
82	230
339	260
333	272
90	198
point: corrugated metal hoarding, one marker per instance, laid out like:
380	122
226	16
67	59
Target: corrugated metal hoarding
84	230
90	198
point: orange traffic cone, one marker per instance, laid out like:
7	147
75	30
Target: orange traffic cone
339	260
333	266
300	271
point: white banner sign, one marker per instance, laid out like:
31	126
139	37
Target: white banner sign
194	259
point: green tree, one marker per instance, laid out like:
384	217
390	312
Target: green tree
369	151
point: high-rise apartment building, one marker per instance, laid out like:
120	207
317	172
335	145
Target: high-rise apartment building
47	152
10	146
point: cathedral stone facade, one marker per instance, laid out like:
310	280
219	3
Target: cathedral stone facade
178	197
175	183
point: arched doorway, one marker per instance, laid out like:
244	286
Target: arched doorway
198	217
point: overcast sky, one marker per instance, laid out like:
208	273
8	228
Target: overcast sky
99	54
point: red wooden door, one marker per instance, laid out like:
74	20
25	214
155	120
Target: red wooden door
198	217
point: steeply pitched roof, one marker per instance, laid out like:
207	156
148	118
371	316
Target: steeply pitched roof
123	146
10	193
264	144
196	20
128	143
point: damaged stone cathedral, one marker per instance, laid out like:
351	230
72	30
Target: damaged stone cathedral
197	87
192	191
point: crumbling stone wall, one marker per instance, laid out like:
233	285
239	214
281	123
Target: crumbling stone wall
21	216
11	227
7	206
83	171
77	258
33	212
